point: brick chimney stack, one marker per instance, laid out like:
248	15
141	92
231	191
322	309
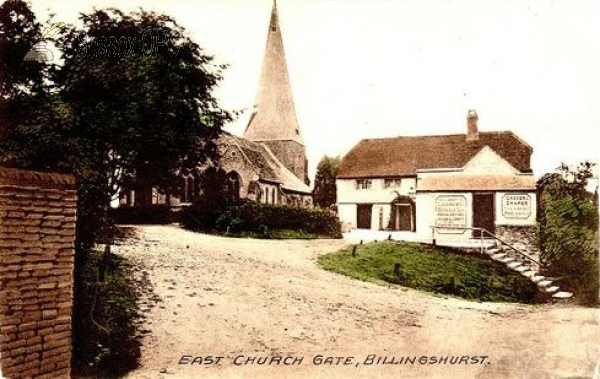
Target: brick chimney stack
472	132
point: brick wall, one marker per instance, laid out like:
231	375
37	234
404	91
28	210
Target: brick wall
37	232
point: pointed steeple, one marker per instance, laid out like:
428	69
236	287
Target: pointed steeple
273	121
274	117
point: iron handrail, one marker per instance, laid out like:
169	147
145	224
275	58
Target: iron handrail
483	230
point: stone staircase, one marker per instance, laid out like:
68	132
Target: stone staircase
527	268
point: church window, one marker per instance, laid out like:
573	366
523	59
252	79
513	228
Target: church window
232	186
188	187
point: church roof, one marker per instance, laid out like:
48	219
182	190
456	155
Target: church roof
265	163
403	156
274	116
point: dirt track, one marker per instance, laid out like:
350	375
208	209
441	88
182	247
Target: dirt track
255	298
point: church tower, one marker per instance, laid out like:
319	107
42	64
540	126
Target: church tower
274	120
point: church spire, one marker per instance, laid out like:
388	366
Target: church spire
274	116
273	121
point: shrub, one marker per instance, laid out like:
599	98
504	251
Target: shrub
105	341
568	226
257	218
155	214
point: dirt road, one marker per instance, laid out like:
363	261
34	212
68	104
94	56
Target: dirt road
252	300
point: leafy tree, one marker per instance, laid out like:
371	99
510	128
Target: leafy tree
21	83
325	191
19	31
134	95
568	225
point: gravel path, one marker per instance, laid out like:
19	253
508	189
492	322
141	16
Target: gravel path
252	300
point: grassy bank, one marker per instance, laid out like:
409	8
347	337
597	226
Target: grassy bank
432	269
105	342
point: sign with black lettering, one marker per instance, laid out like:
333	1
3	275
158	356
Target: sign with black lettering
451	211
516	206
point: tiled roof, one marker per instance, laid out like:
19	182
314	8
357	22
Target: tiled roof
266	165
403	156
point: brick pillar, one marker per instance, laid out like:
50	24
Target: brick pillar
37	234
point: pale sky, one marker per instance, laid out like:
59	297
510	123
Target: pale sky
383	68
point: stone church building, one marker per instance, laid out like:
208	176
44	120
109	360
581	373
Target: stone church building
451	182
268	164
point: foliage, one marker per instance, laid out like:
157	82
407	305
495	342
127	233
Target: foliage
105	341
154	214
568	226
19	31
249	217
325	191
110	112
432	269
275	234
209	209
104	113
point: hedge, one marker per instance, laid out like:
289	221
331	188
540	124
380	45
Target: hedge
154	214
260	218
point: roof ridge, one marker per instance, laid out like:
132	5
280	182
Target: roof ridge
440	135
406	154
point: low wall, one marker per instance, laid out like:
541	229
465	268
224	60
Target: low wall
523	238
37	233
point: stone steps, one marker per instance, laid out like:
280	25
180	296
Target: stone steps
537	278
544	283
551	289
524	268
562	295
514	265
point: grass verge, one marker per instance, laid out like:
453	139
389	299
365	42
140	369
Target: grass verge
433	269
277	234
105	341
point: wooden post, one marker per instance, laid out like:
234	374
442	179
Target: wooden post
354	251
397	269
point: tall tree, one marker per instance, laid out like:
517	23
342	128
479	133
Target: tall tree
134	95
19	31
325	191
21	83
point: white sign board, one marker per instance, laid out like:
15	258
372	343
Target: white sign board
451	211
516	206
